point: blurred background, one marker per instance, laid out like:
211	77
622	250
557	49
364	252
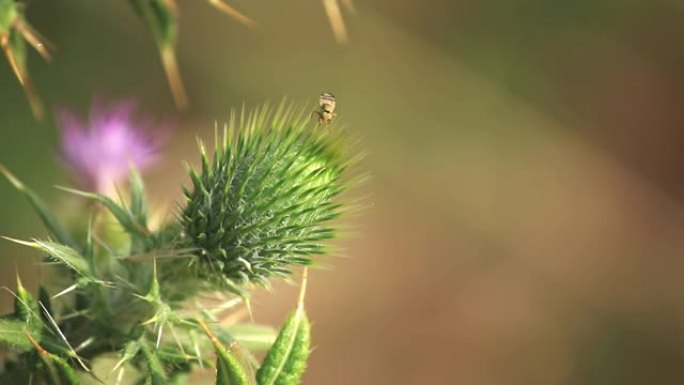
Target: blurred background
527	161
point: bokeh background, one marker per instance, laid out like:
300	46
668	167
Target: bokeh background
527	161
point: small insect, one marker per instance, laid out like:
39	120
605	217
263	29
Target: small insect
326	113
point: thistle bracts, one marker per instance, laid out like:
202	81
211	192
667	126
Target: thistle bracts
265	200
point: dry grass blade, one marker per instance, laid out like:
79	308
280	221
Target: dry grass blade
332	9
232	12
33	37
170	63
349	4
23	77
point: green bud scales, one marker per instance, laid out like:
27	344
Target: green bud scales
264	201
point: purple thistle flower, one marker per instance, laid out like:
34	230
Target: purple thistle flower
102	150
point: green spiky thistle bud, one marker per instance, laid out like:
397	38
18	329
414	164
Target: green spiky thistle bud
266	199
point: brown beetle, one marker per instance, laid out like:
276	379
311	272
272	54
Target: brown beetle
326	113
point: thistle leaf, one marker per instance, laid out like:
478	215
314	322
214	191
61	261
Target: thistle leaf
57	371
138	197
129	352
26	307
61	253
45	214
12	335
125	217
229	369
60	372
44	298
285	362
155	369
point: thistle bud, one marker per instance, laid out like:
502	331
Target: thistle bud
266	199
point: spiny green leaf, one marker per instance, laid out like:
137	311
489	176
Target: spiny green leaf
129	352
162	311
12	335
89	249
125	217
56	370
61	373
45	214
138	198
155	369
229	369
285	362
44	298
61	253
154	295
227	372
26	307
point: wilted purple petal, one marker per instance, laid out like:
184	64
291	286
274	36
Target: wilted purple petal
102	151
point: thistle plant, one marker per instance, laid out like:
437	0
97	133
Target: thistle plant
261	204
